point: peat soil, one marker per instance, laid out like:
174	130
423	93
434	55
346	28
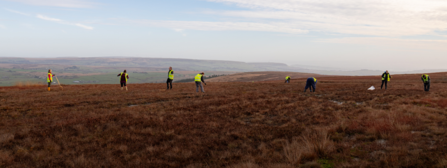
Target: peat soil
237	124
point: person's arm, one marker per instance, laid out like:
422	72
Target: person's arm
127	76
172	72
422	78
390	76
428	79
49	77
203	80
118	75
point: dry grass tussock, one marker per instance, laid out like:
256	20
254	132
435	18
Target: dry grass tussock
234	125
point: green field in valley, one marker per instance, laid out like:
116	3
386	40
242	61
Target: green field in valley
84	75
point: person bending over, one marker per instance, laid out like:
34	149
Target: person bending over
311	83
287	79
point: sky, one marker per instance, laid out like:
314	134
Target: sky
348	34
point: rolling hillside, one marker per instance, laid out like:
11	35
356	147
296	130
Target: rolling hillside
236	125
153	64
262	76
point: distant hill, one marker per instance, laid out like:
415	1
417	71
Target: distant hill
156	64
161	64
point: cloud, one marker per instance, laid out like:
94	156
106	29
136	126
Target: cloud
63	22
48	18
3	27
392	42
360	17
221	26
53	20
17	12
58	3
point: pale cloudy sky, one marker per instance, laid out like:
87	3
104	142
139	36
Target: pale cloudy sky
350	34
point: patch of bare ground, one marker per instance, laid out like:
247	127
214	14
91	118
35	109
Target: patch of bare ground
240	125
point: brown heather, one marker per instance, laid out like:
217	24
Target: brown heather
237	125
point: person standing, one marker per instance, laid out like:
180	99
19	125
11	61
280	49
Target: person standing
199	79
426	79
50	79
385	79
287	79
170	77
311	83
123	79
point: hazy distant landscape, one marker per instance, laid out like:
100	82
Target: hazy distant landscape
103	70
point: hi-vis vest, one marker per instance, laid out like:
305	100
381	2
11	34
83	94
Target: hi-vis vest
124	77
287	77
425	78
49	78
386	76
198	78
171	76
315	79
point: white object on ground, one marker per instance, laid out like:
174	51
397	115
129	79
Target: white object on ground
372	88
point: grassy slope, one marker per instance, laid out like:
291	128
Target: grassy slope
96	75
266	124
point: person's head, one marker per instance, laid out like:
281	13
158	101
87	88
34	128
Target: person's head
202	73
125	71
386	71
170	68
49	71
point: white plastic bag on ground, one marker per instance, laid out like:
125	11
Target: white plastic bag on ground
372	88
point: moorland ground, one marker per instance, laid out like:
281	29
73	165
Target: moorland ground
234	124
261	76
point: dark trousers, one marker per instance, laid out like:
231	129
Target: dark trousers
287	81
169	82
384	82
49	84
310	83
310	86
123	84
427	87
199	84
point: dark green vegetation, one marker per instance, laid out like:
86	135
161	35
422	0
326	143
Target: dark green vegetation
259	124
23	75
